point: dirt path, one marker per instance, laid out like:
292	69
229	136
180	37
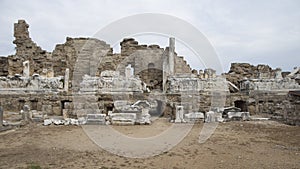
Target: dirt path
233	145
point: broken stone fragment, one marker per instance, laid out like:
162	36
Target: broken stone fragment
123	118
74	122
194	116
82	120
47	122
58	122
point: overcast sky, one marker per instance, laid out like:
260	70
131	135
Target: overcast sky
254	31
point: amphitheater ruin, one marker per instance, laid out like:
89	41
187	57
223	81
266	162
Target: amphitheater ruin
84	82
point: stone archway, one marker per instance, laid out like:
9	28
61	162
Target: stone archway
241	104
152	76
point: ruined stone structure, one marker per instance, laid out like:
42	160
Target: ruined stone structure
264	90
83	77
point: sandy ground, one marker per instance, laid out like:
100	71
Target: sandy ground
250	144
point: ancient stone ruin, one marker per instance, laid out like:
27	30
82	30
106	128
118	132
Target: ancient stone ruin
84	82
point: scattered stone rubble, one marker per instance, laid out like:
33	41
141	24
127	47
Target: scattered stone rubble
84	82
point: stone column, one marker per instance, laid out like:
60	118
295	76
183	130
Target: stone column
171	55
128	71
214	75
26	69
205	75
201	74
179	115
278	74
168	62
210	117
25	115
1	117
165	60
50	73
66	84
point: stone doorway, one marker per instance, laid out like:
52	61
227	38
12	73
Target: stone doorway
65	105
152	76
241	104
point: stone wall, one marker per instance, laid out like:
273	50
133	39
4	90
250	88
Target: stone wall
104	76
81	55
183	83
15	83
240	71
269	84
181	66
94	56
147	62
26	49
292	111
3	66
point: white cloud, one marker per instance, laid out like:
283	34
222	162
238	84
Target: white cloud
251	31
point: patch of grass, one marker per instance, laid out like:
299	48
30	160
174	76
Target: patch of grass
34	166
104	167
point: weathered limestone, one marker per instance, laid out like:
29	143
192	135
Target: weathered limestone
26	69
34	83
128	71
3	66
171	55
201	74
123	118
47	122
88	52
110	73
278	74
91	53
26	50
47	109
26	113
1	117
95	118
179	115
140	109
143	116
239	115
66	80
45	81
68	121
184	83
209	73
211	116
232	113
291	113
294	72
111	84
239	71
194	116
269	84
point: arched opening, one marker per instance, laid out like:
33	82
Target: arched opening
129	71
152	76
241	104
151	66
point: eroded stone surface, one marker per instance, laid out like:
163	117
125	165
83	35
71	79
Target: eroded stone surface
84	76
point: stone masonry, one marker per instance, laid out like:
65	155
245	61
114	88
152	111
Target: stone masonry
84	76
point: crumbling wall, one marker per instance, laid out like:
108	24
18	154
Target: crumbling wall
47	103
278	105
82	54
181	66
292	108
26	49
3	66
147	62
240	71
